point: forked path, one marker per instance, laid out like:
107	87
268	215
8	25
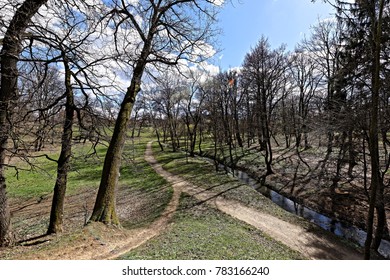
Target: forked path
311	244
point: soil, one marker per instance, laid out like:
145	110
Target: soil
98	241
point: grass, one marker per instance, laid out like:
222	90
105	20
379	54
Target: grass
142	194
200	232
38	178
197	231
202	173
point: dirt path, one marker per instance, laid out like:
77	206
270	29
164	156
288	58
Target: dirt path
97	241
140	236
312	245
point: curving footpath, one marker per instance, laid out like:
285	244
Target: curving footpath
312	245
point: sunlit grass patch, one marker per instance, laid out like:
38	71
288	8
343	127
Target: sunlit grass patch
200	232
141	198
203	174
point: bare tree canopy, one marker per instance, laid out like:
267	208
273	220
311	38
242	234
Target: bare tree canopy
166	32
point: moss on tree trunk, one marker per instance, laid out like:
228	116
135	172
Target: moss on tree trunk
105	205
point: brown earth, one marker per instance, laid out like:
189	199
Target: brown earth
98	241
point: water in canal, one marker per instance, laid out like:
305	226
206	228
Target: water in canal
339	228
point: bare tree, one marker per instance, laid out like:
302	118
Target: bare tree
139	115
305	80
193	109
9	74
369	17
71	46
168	97
265	69
167	31
36	113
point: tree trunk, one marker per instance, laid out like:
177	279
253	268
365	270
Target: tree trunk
104	209
373	133
105	205
351	153
158	140
172	133
135	124
237	125
140	126
57	207
266	134
5	216
8	92
381	217
200	137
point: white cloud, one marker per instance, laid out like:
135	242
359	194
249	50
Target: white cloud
114	75
218	2
210	69
201	51
237	69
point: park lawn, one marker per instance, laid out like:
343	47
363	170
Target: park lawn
142	194
199	232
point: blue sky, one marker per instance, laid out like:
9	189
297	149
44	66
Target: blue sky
282	21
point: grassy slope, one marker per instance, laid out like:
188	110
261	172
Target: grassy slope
142	195
200	232
202	173
85	171
38	178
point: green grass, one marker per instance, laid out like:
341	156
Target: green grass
142	193
31	183
203	174
38	178
200	232
138	180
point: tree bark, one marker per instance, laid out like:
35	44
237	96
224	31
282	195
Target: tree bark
381	217
104	209
8	92
57	208
105	205
158	140
266	134
236	117
374	131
